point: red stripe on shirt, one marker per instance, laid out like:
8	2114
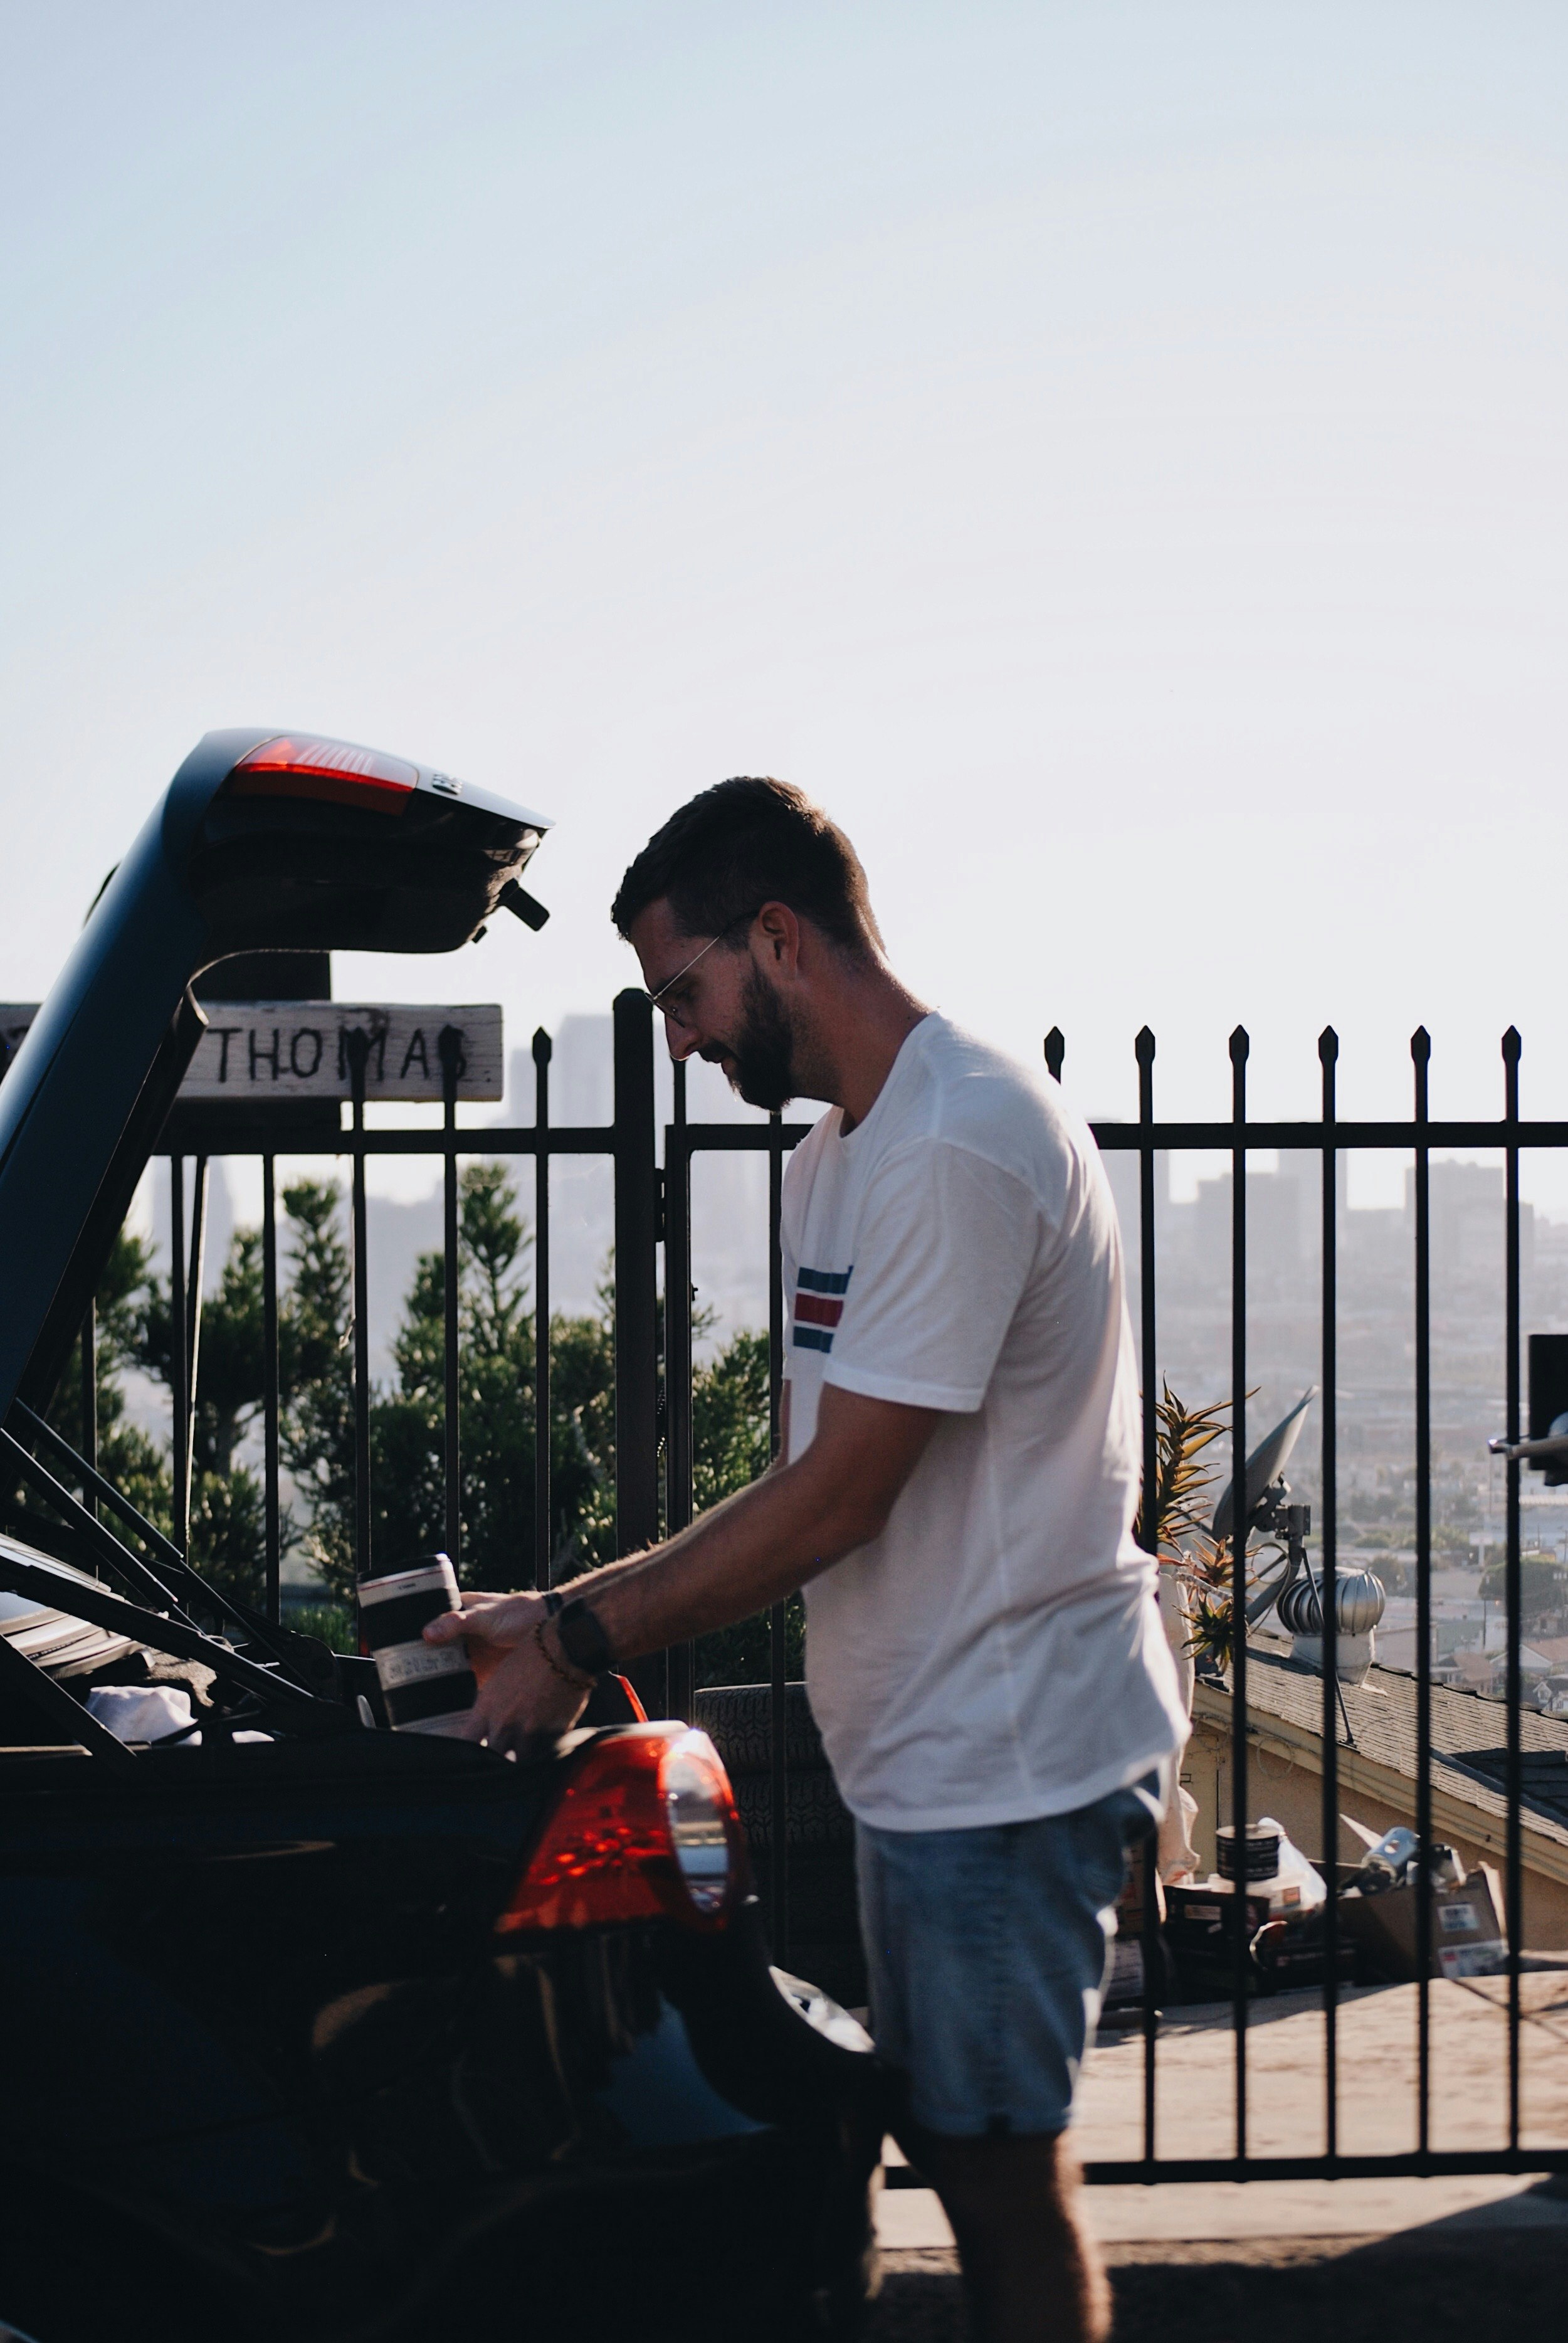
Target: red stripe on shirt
819	1309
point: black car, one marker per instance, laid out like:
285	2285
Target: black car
312	2028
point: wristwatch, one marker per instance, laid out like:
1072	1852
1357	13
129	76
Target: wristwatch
582	1639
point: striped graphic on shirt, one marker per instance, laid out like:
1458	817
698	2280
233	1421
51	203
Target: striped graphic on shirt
819	1306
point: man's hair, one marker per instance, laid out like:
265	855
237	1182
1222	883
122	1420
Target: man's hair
744	843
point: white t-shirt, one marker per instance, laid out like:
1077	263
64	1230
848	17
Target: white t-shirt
997	1653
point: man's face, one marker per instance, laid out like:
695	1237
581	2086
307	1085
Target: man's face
718	1004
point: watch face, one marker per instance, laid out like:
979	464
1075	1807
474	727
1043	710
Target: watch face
582	1639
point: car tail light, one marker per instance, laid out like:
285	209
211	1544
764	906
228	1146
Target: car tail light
645	1829
333	772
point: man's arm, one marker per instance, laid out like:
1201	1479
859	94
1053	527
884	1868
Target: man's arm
752	1550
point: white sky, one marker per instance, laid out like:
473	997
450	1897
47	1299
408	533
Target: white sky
1113	455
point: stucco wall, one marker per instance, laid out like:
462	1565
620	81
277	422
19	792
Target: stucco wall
1292	1794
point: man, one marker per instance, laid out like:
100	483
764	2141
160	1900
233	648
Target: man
956	1493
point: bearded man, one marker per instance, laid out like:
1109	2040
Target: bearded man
956	1492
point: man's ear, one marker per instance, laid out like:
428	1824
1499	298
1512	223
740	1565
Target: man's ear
776	937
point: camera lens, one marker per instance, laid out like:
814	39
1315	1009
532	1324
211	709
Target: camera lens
428	1687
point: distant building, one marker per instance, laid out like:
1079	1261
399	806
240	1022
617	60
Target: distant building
1469	1670
1466	1216
1273	1227
730	1191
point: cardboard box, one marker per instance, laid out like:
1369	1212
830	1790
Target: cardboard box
1467	1936
1291	1952
1124	1998
1285	1944
1200	1930
1467	1928
1130	1903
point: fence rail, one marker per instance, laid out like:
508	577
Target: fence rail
653	1211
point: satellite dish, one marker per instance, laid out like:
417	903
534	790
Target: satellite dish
1265	1463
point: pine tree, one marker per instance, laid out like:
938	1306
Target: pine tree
730	1445
228	1509
316	1431
497	1395
127	1456
408	1416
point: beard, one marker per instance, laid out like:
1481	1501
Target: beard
762	1054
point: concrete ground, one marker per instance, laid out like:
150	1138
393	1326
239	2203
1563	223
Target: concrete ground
1423	2285
1467	2257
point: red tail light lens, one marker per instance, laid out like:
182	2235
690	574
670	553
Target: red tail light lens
645	1829
334	772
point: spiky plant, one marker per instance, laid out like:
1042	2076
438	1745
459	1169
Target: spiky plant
1183	1540
1180	1479
1208	1573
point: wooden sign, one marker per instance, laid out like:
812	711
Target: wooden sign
255	1051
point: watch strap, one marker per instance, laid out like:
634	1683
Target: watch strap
582	1639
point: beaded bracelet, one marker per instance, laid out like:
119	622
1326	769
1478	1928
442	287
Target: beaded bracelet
578	1683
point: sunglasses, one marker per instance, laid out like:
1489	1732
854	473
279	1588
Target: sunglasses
675	1009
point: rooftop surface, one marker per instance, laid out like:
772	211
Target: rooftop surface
1468	1734
1377	2029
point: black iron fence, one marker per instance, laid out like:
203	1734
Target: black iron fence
653	1465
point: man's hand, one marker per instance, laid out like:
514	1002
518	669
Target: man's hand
491	1624
520	1694
752	1550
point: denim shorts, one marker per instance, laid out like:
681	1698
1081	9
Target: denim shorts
987	1951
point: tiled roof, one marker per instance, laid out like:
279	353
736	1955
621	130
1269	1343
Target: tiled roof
1468	1732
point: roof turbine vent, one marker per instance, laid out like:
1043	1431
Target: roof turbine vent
1359	1604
